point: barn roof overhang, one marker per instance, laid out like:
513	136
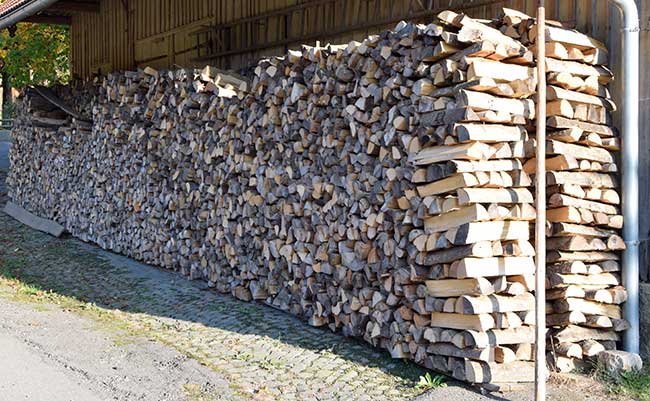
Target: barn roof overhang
43	11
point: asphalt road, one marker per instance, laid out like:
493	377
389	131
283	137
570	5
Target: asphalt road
21	365
48	354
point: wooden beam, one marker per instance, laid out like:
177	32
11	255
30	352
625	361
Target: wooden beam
49	19
49	95
75	6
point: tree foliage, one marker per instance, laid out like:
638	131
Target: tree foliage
36	54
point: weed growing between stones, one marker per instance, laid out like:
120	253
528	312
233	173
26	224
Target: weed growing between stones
428	382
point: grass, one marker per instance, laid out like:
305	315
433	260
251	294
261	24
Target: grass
195	392
10	268
26	288
634	385
269	364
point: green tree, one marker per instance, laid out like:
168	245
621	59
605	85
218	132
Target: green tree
36	54
33	54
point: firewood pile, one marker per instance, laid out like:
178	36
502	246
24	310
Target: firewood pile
45	138
584	219
381	188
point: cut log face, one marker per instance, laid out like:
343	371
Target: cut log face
382	188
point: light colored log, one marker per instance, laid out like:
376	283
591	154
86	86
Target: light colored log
473	305
468	151
577	333
488	231
497	195
463	215
459	287
586	307
492	267
462	322
482	372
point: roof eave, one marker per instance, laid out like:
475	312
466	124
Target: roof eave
24	11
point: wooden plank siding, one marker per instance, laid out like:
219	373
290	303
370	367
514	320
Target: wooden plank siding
100	41
130	33
644	139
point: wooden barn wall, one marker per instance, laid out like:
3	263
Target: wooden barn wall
101	41
644	139
129	33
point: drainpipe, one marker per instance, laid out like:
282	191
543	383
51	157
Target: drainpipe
630	156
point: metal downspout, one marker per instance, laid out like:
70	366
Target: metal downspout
630	160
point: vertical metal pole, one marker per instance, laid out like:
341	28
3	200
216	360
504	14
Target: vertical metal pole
630	160
540	204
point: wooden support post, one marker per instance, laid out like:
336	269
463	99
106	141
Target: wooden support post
540	200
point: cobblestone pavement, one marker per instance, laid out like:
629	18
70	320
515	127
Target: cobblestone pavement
264	354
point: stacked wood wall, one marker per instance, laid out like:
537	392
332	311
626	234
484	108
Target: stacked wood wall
243	188
303	195
156	32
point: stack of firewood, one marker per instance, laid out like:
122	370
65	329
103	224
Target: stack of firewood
472	206
44	139
379	188
584	216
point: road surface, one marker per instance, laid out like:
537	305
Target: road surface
49	354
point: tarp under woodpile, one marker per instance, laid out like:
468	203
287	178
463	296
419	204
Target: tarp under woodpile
381	188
